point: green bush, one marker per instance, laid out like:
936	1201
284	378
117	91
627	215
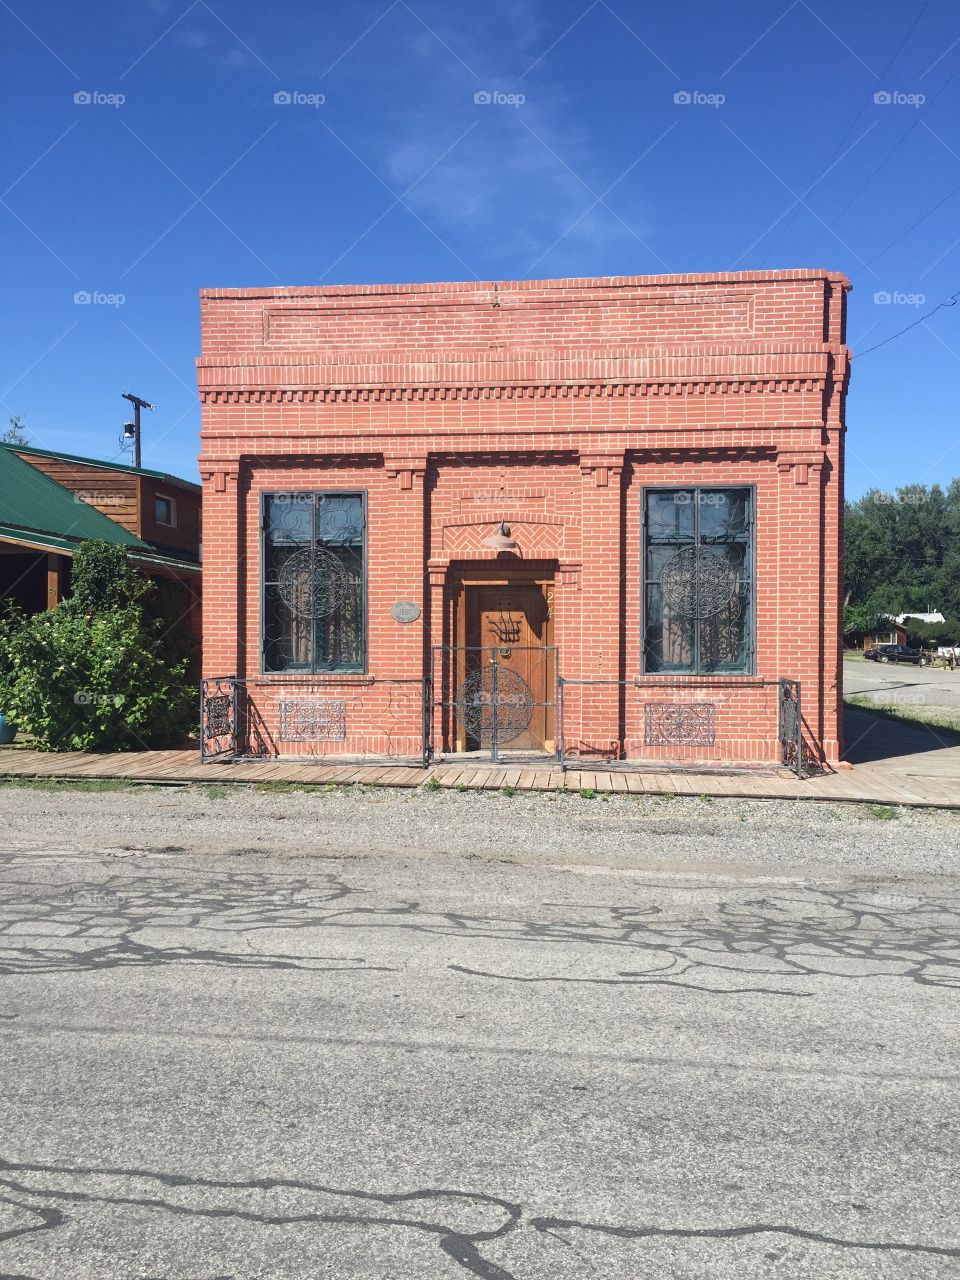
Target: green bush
104	578
92	673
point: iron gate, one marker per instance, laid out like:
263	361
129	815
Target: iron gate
790	725
493	699
219	709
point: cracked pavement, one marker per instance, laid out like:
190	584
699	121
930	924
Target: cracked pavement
271	1036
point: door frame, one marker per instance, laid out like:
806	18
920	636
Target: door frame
462	579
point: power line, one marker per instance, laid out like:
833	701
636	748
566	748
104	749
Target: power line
912	227
949	302
894	149
853	124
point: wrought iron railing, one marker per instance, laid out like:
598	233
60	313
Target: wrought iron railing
656	713
790	725
353	719
472	700
219	717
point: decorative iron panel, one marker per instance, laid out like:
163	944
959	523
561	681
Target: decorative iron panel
790	725
313	583
697	582
679	724
313	720
218	717
495	705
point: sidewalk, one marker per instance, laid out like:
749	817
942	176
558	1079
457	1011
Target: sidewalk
892	764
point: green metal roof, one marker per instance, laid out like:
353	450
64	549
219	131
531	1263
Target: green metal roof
99	462
36	510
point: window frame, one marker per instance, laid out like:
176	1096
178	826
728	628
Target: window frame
749	667
314	671
164	524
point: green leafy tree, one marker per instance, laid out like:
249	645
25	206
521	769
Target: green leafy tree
93	674
860	620
103	578
902	552
15	432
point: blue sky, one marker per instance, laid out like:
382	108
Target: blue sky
583	164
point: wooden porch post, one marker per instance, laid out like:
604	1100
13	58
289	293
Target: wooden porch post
54	579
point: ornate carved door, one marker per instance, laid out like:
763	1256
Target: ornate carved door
507	626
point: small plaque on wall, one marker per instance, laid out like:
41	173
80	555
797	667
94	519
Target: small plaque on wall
405	611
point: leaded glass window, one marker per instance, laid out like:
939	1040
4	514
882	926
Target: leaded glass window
698	564
314	548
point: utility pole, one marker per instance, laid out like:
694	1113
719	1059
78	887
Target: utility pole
131	430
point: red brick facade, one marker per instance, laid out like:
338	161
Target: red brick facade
553	406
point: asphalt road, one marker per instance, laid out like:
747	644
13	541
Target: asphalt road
619	1040
902	682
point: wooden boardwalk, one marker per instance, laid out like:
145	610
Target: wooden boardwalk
892	764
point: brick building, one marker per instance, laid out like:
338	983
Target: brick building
594	516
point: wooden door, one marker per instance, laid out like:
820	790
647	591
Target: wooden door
509	625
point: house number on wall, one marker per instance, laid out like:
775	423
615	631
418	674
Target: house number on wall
405	611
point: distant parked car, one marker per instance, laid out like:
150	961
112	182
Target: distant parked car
896	653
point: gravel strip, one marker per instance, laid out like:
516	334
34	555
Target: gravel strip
678	835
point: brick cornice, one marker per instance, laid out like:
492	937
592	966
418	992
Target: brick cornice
529	391
511	374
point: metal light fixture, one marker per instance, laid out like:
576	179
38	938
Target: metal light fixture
501	540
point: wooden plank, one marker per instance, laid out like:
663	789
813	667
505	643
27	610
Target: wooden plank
683	784
360	774
618	781
511	777
378	778
467	777
657	783
449	776
409	777
83	766
267	773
